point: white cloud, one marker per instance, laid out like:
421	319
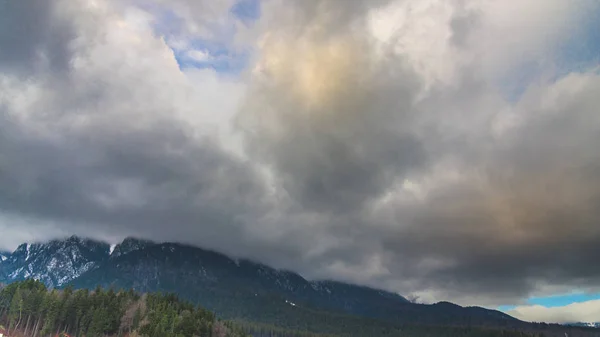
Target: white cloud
199	55
587	312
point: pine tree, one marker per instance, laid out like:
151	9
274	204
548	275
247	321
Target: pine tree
52	312
16	310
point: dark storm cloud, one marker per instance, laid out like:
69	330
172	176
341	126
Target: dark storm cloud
526	215
520	212
127	182
33	32
390	164
73	179
336	157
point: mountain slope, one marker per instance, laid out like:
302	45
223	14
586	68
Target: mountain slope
55	263
129	245
132	314
237	289
584	324
243	289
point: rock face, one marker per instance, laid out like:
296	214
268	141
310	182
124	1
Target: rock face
56	263
233	288
129	245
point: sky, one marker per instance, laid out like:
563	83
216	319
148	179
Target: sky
443	149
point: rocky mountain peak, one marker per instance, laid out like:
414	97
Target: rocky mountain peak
129	245
56	262
228	286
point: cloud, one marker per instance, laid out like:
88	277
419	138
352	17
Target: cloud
202	19
306	115
199	55
122	141
402	135
33	34
366	141
573	313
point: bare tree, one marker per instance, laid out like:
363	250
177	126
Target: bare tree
219	330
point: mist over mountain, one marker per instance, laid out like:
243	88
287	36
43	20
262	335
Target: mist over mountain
251	292
234	288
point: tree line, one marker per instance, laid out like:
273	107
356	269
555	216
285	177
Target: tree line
29	309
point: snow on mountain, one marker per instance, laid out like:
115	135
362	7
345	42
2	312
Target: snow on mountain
225	285
55	263
58	262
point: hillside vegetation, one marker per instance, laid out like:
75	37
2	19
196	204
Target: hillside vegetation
28	308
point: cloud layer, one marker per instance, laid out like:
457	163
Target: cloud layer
586	312
380	142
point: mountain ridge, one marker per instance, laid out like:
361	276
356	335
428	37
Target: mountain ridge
55	263
234	288
584	324
131	244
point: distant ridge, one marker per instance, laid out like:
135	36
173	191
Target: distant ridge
237	289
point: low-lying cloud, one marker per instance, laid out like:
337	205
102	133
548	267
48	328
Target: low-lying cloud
583	312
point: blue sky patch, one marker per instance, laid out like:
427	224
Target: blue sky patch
201	53
556	301
562	300
506	308
582	51
579	53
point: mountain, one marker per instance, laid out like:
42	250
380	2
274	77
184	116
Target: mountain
103	312
585	324
235	289
56	263
129	245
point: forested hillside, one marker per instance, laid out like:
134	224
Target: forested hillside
29	309
261	300
232	288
